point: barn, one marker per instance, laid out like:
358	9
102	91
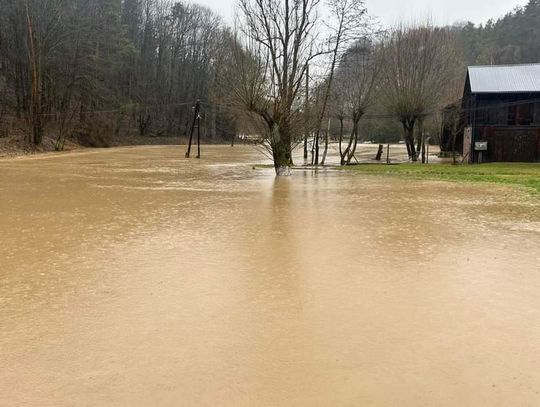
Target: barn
501	114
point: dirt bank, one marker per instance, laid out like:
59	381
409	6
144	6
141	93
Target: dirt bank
17	145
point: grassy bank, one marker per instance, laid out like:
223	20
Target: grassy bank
520	175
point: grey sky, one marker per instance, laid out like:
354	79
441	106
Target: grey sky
392	11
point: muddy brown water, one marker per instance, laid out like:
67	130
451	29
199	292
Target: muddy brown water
134	277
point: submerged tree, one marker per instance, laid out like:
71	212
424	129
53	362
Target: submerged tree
281	40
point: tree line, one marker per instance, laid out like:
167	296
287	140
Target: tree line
512	39
96	69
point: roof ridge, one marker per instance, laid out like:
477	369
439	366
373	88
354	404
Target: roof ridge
504	65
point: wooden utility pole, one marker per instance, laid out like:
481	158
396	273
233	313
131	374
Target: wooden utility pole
198	135
196	123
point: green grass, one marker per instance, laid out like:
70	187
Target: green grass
519	175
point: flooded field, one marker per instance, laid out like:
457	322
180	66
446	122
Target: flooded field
135	277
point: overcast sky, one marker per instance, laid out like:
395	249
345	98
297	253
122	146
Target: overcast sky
392	11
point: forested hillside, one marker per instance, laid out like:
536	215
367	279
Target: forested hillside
514	38
97	70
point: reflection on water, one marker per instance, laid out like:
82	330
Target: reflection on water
134	277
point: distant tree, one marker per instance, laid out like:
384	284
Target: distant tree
348	23
419	66
511	39
356	80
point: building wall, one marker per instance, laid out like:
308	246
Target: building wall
510	123
509	143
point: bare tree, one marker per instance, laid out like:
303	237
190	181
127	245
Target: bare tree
282	41
356	82
418	68
348	23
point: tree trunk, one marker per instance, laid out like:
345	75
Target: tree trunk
409	139
380	151
420	142
327	135
144	122
281	150
352	152
419	137
317	135
340	136
36	103
348	154
213	123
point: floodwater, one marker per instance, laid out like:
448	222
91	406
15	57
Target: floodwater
135	277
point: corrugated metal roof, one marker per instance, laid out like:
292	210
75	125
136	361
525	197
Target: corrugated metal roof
505	78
